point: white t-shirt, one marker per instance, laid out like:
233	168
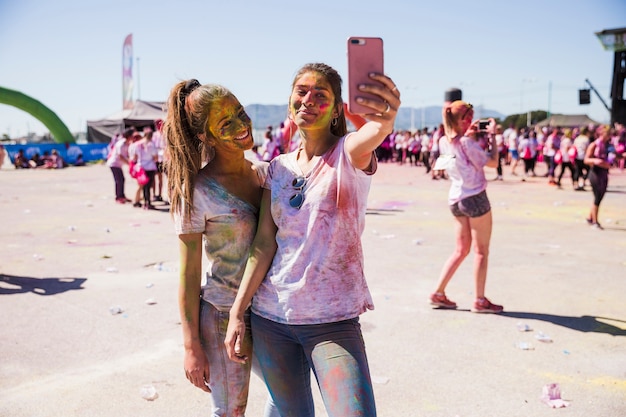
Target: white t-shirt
465	168
229	225
146	155
317	272
120	149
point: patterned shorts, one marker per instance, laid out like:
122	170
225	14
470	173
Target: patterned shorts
472	206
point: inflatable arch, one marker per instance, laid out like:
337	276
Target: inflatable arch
35	108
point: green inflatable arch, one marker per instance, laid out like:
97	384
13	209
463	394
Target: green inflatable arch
35	108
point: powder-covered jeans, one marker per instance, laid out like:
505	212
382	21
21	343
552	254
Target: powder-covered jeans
229	380
336	354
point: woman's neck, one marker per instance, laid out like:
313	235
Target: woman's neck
316	143
231	164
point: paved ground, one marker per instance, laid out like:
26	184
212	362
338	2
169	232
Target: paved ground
68	254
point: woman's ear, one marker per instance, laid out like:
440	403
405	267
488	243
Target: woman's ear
337	111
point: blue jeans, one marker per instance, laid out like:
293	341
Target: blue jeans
230	381
336	354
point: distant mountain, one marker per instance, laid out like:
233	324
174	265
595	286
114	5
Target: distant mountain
264	115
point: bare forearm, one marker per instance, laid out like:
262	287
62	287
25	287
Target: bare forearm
189	306
189	288
259	262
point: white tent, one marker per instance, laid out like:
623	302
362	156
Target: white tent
567	120
144	113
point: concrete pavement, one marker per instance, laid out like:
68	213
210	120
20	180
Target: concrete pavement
69	254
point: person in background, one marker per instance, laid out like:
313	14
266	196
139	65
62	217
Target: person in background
413	148
80	161
58	159
118	157
503	150
132	166
567	156
402	145
534	143
620	146
54	161
438	134
159	142
256	153
36	161
145	157
271	147
597	158
464	160
215	195
527	151
550	147
21	162
114	139
305	275
426	142
512	140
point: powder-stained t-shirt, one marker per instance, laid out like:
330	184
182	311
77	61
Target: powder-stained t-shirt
228	225
146	155
466	167
317	273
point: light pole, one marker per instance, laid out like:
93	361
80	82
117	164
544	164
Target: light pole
412	87
521	100
138	83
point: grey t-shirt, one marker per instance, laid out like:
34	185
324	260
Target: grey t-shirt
228	225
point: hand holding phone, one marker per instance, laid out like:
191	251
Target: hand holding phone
365	55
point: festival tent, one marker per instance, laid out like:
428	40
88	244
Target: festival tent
566	120
143	114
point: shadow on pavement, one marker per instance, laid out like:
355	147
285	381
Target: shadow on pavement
11	284
582	324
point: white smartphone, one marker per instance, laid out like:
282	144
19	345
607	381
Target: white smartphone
365	55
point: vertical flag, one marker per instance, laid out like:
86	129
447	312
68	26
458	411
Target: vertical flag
127	72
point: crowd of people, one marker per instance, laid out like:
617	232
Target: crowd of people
49	160
561	150
143	153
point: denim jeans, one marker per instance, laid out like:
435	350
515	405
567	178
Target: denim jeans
230	381
336	354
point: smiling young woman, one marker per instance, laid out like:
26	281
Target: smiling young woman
215	194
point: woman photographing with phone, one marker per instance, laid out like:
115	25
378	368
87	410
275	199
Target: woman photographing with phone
464	160
305	269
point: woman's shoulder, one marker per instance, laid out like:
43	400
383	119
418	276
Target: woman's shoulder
468	142
261	168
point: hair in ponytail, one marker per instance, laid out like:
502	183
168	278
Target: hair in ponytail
452	114
189	106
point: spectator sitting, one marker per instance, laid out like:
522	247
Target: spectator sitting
55	161
35	161
80	162
20	160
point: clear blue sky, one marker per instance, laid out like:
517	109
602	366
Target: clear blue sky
504	55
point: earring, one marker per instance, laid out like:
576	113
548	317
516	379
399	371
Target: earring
334	121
